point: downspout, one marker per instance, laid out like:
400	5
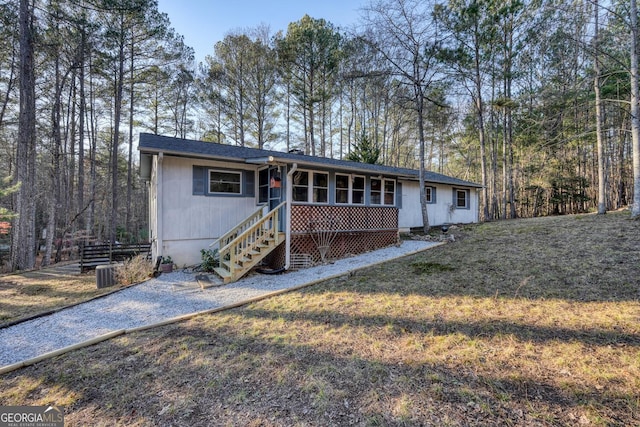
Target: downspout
288	230
159	207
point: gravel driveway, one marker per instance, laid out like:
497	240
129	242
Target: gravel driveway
163	298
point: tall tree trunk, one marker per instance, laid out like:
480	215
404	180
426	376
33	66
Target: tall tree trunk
9	87
509	208
635	111
481	126
117	114
23	243
481	135
602	196
81	112
130	154
421	173
54	198
288	116
312	125
93	137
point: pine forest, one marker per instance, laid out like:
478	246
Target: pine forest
537	100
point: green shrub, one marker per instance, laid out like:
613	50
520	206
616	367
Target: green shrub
210	259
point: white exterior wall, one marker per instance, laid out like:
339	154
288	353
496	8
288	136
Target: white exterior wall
410	215
188	222
181	224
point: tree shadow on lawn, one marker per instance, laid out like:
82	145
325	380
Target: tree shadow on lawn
314	357
437	325
207	371
587	258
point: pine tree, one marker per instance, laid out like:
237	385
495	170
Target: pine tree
364	151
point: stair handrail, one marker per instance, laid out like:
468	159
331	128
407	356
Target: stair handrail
240	227
271	214
272	229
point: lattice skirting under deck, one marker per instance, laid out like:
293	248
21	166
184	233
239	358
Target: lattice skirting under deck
345	244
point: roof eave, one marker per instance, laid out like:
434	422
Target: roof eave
301	162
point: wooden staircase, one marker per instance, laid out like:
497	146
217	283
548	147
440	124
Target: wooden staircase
245	245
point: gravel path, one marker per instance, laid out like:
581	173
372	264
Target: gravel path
168	296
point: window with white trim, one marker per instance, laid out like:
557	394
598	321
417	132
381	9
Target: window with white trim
342	188
349	189
461	199
310	187
225	182
320	187
301	186
376	191
383	192
357	193
389	192
430	194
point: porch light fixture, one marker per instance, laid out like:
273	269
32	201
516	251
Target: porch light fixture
260	160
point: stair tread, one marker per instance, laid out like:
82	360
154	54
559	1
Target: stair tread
228	265
253	253
222	272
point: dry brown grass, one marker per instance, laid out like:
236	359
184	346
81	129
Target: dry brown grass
520	323
31	293
41	291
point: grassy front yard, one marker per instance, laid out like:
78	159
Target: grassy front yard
35	292
518	323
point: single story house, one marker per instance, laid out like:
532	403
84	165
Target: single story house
290	209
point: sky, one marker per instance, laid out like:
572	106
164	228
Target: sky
205	22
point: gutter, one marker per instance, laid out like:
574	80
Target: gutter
288	231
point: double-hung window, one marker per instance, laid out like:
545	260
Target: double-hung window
357	194
430	194
461	198
383	192
310	187
225	182
349	189
320	187
389	192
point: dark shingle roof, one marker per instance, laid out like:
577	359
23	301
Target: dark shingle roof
190	148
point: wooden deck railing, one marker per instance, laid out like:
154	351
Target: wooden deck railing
248	244
245	224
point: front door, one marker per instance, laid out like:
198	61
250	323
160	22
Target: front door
275	187
271	189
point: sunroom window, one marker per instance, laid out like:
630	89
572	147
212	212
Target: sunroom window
389	192
358	190
376	191
342	188
383	191
301	186
349	189
310	187
320	187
